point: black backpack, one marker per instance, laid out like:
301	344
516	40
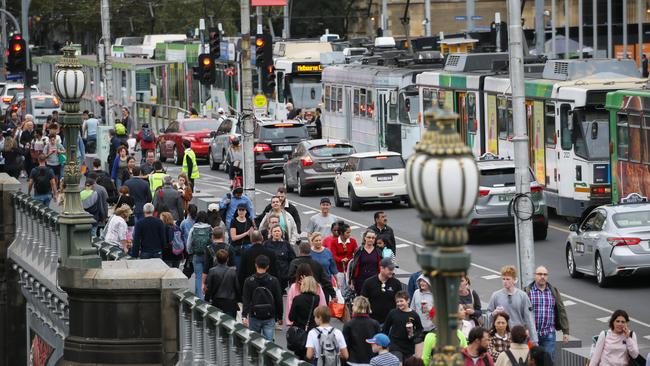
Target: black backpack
514	362
41	182
262	301
108	185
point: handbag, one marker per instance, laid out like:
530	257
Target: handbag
296	336
62	158
337	309
188	267
639	360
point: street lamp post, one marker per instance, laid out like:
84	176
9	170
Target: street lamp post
442	182
76	248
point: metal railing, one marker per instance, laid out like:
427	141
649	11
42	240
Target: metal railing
156	115
210	337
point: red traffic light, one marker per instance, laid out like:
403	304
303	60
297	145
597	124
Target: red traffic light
17	37
259	42
17	47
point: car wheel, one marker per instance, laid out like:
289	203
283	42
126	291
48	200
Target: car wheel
540	232
213	164
571	263
302	190
160	155
338	202
285	181
178	160
600	273
355	205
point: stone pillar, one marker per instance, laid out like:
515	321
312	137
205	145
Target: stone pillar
13	346
123	313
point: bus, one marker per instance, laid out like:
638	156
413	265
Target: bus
567	126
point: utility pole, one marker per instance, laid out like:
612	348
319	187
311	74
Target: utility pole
202	106
625	55
286	31
566	29
384	17
247	120
553	19
524	228
107	68
260	30
469	13
639	22
3	19
25	34
540	36
581	42
609	29
427	18
594	15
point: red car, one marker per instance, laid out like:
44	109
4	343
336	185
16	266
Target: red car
195	130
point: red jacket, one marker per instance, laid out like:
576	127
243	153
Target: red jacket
146	145
327	242
479	362
339	251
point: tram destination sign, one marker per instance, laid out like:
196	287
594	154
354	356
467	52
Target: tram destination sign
307	67
268	2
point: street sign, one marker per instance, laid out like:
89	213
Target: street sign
14	76
230	71
477	17
460	17
259	101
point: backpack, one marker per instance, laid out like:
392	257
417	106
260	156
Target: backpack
147	135
120	129
201	238
178	246
329	349
41	183
262	302
513	362
106	182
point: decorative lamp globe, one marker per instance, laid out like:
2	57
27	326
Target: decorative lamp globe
69	80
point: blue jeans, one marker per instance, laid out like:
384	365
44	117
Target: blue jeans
45	198
149	255
239	252
265	327
198	259
547	342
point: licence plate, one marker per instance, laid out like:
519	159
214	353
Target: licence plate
285	148
384	178
506	197
207	139
332	165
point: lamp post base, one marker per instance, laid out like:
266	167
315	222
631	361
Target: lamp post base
76	248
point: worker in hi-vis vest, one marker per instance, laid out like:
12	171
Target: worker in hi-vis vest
156	178
189	163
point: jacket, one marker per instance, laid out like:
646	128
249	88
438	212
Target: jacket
139	190
353	268
231	208
290	208
355	332
169	198
386	231
317	269
268	281
520	351
284	254
144	144
302	308
222	283
561	318
339	251
481	360
292	230
416	304
149	235
247	264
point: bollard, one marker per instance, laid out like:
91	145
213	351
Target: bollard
256	346
184	326
224	336
241	339
210	335
198	334
214	349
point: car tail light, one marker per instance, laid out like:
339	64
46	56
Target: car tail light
357	179
262	148
190	138
536	189
483	192
6	99
620	242
307	161
600	190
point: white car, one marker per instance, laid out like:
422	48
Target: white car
8	92
371	177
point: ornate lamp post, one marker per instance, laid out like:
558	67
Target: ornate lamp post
442	182
76	248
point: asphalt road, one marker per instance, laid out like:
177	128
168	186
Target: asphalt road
588	306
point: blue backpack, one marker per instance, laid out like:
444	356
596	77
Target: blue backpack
178	246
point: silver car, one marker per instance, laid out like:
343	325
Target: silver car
496	191
612	240
221	138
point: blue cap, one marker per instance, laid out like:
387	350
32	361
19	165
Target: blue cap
379	339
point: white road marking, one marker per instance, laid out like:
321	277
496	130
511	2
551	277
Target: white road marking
559	228
398	246
568	302
267	199
354	227
490	270
491	277
647	337
310	212
604	319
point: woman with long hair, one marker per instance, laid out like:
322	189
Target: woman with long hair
183	187
617	345
499	334
168	256
365	262
301	312
358	329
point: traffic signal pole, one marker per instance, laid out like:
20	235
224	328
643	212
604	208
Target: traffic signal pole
247	101
3	19
25	34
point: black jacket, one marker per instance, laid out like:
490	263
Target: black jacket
291	209
319	273
386	231
302	310
222	283
247	264
268	281
211	255
139	190
149	236
355	332
284	254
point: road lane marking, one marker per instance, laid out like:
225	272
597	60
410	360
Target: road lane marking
559	228
310	212
403	245
647	337
491	277
354	227
604	319
568	302
490	270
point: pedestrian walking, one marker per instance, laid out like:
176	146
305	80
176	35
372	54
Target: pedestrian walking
55	153
43	182
538	357
518	352
188	221
325	344
476	352
470	299
380	290
139	190
304	257
103	179
322	255
247	265
262	299
120	165
281	193
127	121
303	271
422	303
241	229
147	139
513	301
322	221
234	162
286	220
95	204
149	235
380	227
189	163
548	308
343	251
330	240
218	243
183	187
284	254
171	256
380	344
617	345
147	165
357	330
199	237
499	335
431	339
404	328
301	315
116	231
231	201
382	242
222	285
168	199
365	262
644	66
156	178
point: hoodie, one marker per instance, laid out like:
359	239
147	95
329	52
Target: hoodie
416	304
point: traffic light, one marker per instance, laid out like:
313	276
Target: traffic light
263	50
269	86
16	54
206	72
215	43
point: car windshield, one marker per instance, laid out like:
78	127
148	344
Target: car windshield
284	131
626	220
500	177
591	136
331	150
306	91
40	102
381	163
200	125
14	91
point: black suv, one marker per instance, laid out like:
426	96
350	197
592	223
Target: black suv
274	143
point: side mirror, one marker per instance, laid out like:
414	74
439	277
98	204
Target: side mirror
162	130
213	134
573	228
338	170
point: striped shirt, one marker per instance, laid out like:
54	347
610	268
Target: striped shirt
544	309
385	359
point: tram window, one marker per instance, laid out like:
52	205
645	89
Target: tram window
404	109
502	117
623	142
549	125
565	133
370	104
280	80
339	99
471	113
355	110
634	138
328	98
362	102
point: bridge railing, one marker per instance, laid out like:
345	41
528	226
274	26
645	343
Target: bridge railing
210	337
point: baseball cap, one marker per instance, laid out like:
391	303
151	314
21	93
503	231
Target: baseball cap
238	190
379	339
213	207
387	263
325	200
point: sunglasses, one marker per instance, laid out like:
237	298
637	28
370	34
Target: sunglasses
383	287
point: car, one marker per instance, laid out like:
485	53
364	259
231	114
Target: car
371	177
8	92
612	240
274	143
492	210
195	130
313	164
42	106
220	142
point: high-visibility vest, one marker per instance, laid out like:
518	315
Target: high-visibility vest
194	174
155	181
